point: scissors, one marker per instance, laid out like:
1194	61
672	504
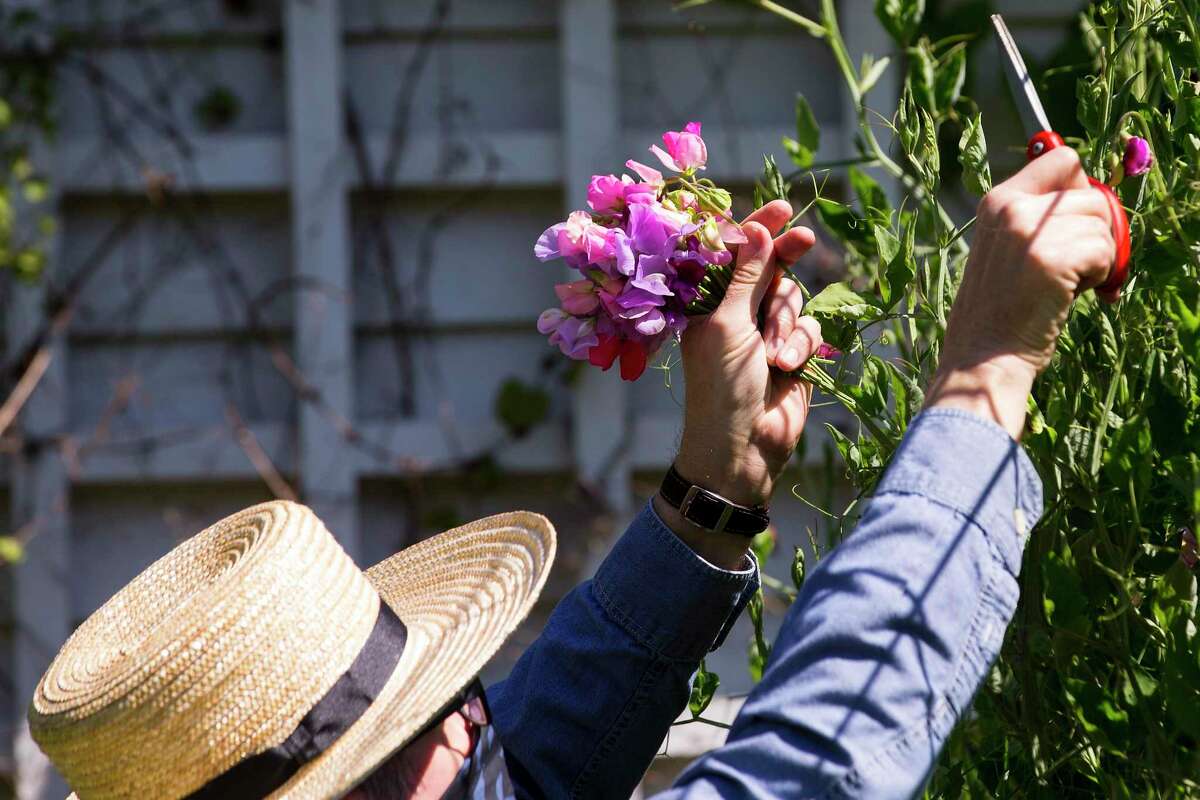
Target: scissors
1043	139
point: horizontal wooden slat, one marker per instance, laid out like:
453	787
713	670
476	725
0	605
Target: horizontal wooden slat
257	163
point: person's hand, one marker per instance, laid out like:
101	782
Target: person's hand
1042	237
742	419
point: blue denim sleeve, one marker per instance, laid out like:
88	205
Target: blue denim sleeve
588	704
892	632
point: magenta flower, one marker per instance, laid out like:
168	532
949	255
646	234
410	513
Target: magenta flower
685	149
578	297
606	193
827	351
1187	550
1138	157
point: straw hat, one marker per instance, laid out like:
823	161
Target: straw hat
222	648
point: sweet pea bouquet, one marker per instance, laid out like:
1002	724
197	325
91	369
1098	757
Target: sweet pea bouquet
651	251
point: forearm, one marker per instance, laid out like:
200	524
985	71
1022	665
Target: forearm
892	632
588	704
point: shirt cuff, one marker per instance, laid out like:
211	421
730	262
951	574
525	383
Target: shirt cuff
974	467
665	596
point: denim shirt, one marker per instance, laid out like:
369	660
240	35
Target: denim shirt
880	655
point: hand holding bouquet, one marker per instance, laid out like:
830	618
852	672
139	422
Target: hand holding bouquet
651	252
657	257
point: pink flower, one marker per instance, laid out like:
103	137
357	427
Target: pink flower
827	351
606	193
1138	157
577	239
578	297
685	149
652	177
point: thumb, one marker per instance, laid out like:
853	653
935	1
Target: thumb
1059	169
751	276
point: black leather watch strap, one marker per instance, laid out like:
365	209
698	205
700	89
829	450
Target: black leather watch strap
709	510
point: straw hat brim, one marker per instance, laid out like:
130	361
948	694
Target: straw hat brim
461	594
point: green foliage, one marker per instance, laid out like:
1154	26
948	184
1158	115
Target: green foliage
520	406
803	148
704	688
900	17
25	116
218	108
1097	689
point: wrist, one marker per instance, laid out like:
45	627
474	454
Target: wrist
995	389
723	550
742	479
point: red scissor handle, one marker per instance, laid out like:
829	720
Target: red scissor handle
1046	141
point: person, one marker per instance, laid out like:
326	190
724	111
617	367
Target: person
256	660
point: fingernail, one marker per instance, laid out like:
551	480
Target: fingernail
790	356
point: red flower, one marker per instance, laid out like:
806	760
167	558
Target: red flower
632	354
633	360
605	353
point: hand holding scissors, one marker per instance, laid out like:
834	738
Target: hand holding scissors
1043	139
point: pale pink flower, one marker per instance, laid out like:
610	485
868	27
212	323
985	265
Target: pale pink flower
578	297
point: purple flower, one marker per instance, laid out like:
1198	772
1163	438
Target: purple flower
622	251
575	336
1138	157
549	320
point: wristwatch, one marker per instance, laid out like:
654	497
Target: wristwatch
709	510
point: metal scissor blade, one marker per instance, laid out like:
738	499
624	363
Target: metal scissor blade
1029	105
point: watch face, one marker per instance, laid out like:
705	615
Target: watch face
705	510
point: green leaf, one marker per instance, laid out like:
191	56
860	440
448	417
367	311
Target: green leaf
898	270
951	74
972	154
888	243
839	300
871	71
922	76
520	406
900	17
704	688
803	148
870	195
1065	602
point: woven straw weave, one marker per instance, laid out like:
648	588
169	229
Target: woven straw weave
216	651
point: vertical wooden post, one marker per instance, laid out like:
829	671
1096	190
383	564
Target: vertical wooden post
591	132
324	325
